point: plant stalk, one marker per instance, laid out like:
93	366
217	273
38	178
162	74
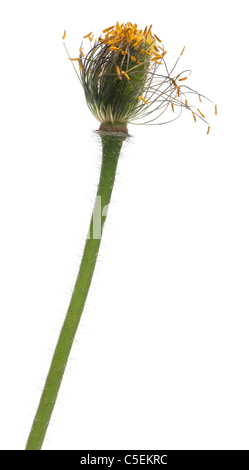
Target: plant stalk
111	146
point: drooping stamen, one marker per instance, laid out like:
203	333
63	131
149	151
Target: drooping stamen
200	112
126	75
87	36
118	72
157	38
107	29
142	99
64	34
183	50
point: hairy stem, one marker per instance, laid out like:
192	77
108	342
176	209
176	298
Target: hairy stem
111	146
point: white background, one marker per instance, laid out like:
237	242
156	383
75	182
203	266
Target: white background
161	356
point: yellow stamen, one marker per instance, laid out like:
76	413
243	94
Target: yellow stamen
133	58
142	99
186	102
79	61
149	30
138	61
108	29
208	130
178	91
64	34
118	72
138	42
124	52
118	28
126	75
173	108
200	113
87	36
142	50
183	50
157	56
194	116
200	98
215	110
148	53
157	38
114	48
181	79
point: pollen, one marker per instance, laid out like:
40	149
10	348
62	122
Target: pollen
157	38
157	56
208	130
78	60
194	116
137	42
156	60
87	36
64	34
178	91
183	50
200	113
215	110
173	107
181	79
133	58
149	30
124	52
130	34
118	72
126	75
142	99
107	29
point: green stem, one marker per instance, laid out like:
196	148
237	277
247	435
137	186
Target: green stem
111	146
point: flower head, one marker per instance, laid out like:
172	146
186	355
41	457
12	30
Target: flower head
126	79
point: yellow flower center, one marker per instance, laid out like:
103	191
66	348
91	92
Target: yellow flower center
128	33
